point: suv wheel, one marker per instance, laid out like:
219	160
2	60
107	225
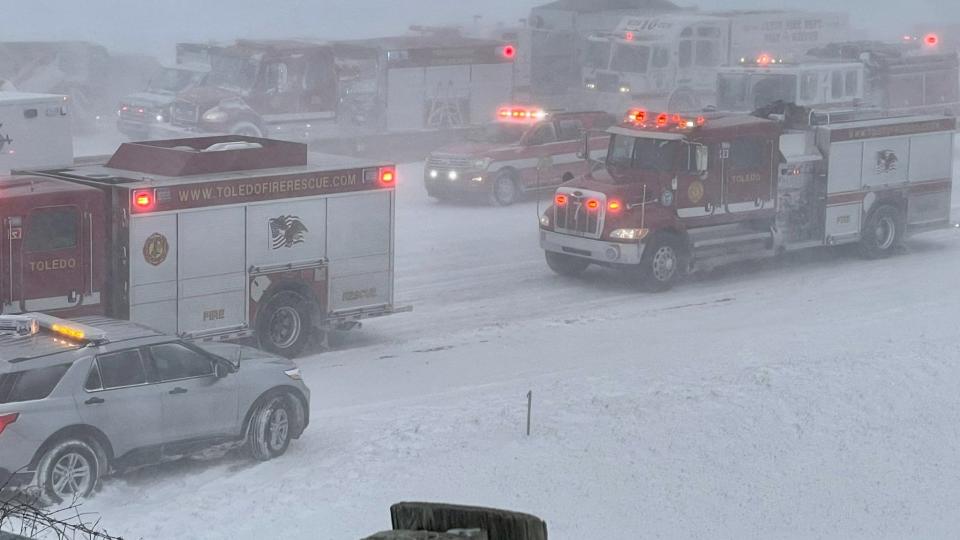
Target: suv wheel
284	326
271	427
69	470
504	191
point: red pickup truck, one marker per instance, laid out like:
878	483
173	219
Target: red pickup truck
526	150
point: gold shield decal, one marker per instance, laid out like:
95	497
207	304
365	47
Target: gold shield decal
695	192
155	249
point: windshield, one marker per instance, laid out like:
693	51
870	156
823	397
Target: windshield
642	154
233	72
732	91
630	58
499	133
597	54
173	80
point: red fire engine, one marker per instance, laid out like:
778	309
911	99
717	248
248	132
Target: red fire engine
208	238
677	194
526	150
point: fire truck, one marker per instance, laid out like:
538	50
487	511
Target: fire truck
527	150
212	238
679	194
901	78
672	59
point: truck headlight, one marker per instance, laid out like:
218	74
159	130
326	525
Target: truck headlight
591	85
629	234
624	89
160	118
214	115
545	221
482	164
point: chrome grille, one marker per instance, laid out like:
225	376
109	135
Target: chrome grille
574	218
185	114
449	162
608	82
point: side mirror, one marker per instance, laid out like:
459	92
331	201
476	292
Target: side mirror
221	370
584	151
702	158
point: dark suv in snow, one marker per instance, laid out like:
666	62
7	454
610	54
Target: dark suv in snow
82	398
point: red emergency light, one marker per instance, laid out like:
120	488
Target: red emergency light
143	200
628	36
636	116
388	176
931	40
509	51
560	199
520	114
661	120
593	204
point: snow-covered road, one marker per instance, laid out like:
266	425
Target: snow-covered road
810	397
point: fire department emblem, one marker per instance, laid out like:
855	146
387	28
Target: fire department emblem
155	249
4	139
695	192
286	231
886	161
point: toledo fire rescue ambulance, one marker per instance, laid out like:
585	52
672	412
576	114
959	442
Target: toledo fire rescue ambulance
208	238
677	194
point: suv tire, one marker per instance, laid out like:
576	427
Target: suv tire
504	191
69	470
271	427
285	325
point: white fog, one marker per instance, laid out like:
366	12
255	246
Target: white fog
494	270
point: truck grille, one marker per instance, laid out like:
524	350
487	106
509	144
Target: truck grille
185	114
608	82
575	218
449	162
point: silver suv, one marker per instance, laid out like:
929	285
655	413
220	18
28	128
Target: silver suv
80	399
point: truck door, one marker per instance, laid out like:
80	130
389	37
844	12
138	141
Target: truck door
747	174
539	144
280	87
319	98
49	249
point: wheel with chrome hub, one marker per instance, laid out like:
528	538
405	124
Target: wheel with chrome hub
662	263
69	470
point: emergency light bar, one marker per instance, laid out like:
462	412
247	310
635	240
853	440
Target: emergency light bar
30	324
520	114
762	60
639	117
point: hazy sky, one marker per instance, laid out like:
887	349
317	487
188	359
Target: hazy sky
155	25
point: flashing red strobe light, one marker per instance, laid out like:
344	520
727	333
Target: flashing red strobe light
388	175
593	204
560	199
509	51
931	39
143	200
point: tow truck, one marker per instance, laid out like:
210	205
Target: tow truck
527	149
898	78
679	194
671	60
211	238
